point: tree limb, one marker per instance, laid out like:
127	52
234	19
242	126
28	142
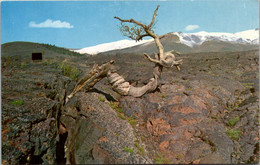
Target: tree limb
152	60
153	19
131	21
90	79
119	84
141	37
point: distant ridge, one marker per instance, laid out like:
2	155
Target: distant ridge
183	42
244	37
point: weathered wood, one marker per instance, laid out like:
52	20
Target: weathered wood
165	59
90	79
119	84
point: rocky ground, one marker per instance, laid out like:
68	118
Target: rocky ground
206	113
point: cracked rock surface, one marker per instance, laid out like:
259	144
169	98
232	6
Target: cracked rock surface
206	113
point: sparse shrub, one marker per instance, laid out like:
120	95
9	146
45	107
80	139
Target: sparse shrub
141	150
248	85
48	62
179	156
114	105
120	116
142	138
130	150
160	159
162	95
132	121
215	117
7	61
69	70
101	99
17	102
234	105
202	156
116	134
233	134
23	64
233	121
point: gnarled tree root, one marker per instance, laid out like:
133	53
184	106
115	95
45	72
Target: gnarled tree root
119	84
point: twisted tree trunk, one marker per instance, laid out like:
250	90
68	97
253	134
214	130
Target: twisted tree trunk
162	59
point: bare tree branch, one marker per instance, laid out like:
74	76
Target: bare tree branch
153	19
90	79
136	31
152	60
141	37
131	21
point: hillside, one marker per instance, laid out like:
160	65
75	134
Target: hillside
221	46
208	112
24	49
195	39
184	43
171	41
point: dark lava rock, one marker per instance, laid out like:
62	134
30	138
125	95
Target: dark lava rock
30	114
97	135
208	117
206	113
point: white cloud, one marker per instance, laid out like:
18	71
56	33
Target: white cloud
191	27
51	24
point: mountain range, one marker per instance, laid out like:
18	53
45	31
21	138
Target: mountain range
183	42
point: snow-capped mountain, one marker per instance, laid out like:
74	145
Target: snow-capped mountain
194	39
189	39
110	46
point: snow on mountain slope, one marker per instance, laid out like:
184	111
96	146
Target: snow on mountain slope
193	39
110	46
250	35
190	39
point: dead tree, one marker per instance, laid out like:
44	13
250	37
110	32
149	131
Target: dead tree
137	31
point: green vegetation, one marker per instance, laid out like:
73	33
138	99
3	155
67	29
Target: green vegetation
61	50
217	118
248	85
48	61
160	159
130	150
162	95
233	121
132	121
202	156
6	61
101	99
234	105
188	89
120	116
142	138
23	64
69	70
233	133
115	106
17	102
141	150
116	134
179	156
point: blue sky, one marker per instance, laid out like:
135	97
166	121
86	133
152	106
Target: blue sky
78	24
